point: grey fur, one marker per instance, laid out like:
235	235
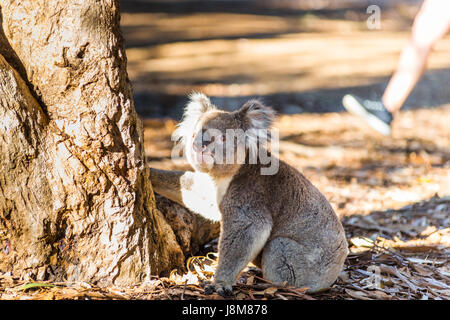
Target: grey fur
281	222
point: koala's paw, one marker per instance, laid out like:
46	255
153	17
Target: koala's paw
222	289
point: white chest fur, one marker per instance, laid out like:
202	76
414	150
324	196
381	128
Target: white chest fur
202	194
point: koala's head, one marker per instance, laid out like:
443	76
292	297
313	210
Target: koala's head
219	142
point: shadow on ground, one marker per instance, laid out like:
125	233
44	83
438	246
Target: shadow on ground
429	93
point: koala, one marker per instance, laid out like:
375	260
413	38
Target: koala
278	221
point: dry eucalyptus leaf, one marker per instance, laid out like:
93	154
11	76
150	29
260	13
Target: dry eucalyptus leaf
270	291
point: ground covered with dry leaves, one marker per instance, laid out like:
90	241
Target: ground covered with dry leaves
392	193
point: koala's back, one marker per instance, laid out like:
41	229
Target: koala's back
299	210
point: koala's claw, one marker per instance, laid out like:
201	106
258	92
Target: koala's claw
221	289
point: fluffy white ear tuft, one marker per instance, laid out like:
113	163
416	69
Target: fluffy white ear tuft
198	105
257	120
198	102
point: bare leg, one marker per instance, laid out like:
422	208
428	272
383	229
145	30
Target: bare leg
431	24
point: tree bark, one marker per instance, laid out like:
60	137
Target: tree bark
76	202
192	231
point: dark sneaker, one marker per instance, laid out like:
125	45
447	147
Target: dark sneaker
374	112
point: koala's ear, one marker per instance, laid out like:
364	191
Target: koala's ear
256	116
197	105
256	121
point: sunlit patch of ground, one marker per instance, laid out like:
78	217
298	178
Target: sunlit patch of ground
288	63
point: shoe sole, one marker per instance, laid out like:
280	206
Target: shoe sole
353	106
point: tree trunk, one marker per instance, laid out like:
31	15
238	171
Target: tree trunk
76	203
